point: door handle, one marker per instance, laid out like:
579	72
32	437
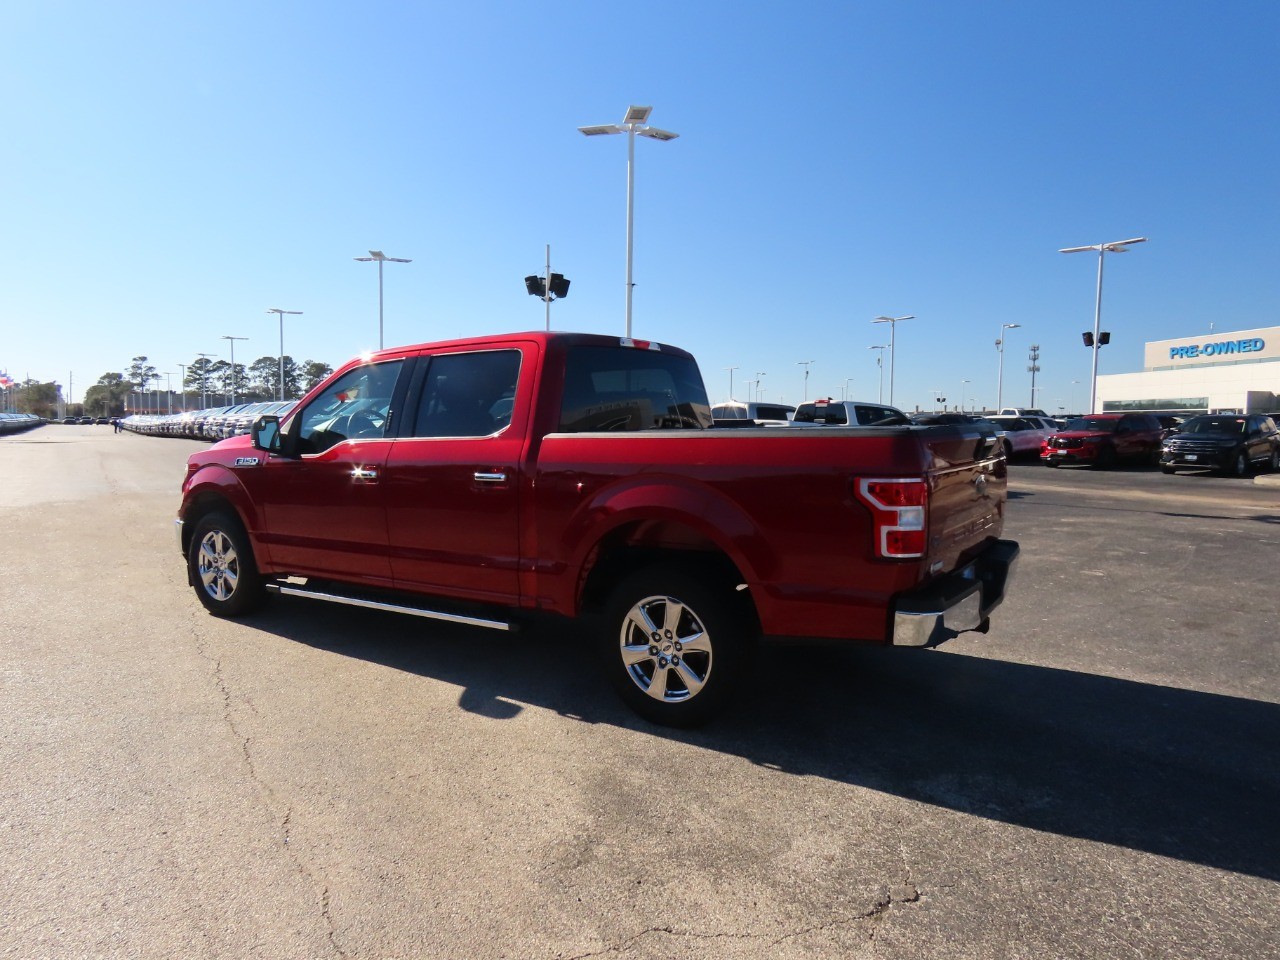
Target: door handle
364	473
490	477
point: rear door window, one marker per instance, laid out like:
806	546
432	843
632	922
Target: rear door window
467	394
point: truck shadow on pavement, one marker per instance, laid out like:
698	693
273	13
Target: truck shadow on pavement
1178	773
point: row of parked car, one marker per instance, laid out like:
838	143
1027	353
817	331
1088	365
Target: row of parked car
214	424
1230	443
17	422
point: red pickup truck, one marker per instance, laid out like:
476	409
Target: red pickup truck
486	480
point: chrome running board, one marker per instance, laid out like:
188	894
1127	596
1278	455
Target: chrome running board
294	591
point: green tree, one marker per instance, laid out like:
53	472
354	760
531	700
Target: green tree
38	398
313	371
109	396
141	373
199	378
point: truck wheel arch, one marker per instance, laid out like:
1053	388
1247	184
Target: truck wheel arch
211	500
631	546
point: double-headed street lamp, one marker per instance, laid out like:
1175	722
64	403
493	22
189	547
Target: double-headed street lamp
633	123
233	365
168	389
805	364
893	323
1000	373
296	313
381	258
1116	246
182	382
880	363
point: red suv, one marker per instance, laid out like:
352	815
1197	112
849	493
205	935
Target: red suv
1104	439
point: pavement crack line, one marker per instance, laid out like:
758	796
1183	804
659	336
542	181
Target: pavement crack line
899	895
270	800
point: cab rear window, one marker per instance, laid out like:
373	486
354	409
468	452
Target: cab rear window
619	388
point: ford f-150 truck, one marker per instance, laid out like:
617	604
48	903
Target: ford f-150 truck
490	480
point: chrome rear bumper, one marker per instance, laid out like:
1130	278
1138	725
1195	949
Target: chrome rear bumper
957	602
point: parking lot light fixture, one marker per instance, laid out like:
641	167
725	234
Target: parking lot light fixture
893	323
204	379
381	258
805	364
281	313
1116	246
1000	371
233	365
634	122
880	363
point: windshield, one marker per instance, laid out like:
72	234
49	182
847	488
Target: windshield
1214	425
1091	425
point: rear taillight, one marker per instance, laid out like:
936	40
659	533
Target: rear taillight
898	509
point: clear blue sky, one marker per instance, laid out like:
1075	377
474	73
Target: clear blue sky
170	171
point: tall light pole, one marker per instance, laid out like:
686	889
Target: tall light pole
1116	246
893	323
182	382
805	364
233	365
880	363
633	123
204	379
1000	374
377	255
963	385
168	388
1073	395
759	378
847	381
281	313
731	369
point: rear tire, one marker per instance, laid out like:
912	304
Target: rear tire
675	645
221	566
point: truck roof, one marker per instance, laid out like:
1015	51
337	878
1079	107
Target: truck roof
557	338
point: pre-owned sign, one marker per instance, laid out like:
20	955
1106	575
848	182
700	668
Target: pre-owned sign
1238	346
1219	348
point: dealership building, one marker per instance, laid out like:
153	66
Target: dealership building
1236	372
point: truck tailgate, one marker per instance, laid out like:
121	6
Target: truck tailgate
968	479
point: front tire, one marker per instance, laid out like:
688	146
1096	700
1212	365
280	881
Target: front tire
222	568
1106	459
675	645
1239	465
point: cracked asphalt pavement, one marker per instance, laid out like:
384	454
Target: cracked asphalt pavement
1097	777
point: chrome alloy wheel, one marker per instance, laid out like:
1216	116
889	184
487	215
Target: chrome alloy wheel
666	649
218	565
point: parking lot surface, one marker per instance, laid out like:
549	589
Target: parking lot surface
1096	777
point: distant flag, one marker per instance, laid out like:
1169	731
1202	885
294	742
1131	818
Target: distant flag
5	380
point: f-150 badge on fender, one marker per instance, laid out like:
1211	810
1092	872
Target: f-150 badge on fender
246	461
